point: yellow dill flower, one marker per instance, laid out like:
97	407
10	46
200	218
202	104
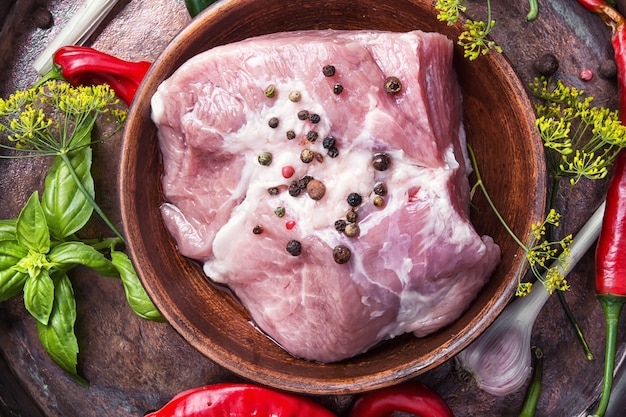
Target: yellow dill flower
55	118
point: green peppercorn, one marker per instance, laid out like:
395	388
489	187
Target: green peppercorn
337	89
333	152
328	70
303	114
328	142
352	216
314	118
380	189
392	85
341	254
378	201
265	158
294	247
307	155
340	225
355	199
273	122
295	96
312	136
352	229
279	211
270	91
381	161
258	229
316	189
273	190
291	134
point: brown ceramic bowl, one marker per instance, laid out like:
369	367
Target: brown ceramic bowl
499	121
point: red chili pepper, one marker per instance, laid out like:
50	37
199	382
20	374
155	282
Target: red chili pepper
610	280
239	400
81	65
409	397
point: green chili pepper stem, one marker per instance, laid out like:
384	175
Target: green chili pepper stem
612	306
534	389
91	201
54	74
194	7
533	12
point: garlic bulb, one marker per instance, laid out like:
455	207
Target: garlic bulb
499	360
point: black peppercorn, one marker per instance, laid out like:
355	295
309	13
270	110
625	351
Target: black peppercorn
352	216
273	122
340	225
303	114
328	70
294	247
314	118
392	85
328	142
381	161
312	136
303	182
294	190
291	134
354	199
341	254
273	190
337	89
258	229
333	152
380	189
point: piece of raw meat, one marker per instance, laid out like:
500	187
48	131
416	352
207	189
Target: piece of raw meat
416	262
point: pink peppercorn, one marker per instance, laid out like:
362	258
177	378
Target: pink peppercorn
290	224
586	75
288	171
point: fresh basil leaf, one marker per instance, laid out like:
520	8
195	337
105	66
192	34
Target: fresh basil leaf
12	278
10	253
31	228
39	296
67	255
65	206
7	229
58	337
136	295
11	283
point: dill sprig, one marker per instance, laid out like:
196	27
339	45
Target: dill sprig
57	119
474	39
547	259
584	140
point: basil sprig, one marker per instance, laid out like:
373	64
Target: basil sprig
40	247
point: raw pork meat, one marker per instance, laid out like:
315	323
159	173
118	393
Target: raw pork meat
416	263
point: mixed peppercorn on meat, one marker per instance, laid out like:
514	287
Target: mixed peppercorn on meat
322	176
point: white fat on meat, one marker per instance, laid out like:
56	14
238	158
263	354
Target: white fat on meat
417	262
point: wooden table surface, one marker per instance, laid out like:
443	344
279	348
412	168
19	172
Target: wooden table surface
135	366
